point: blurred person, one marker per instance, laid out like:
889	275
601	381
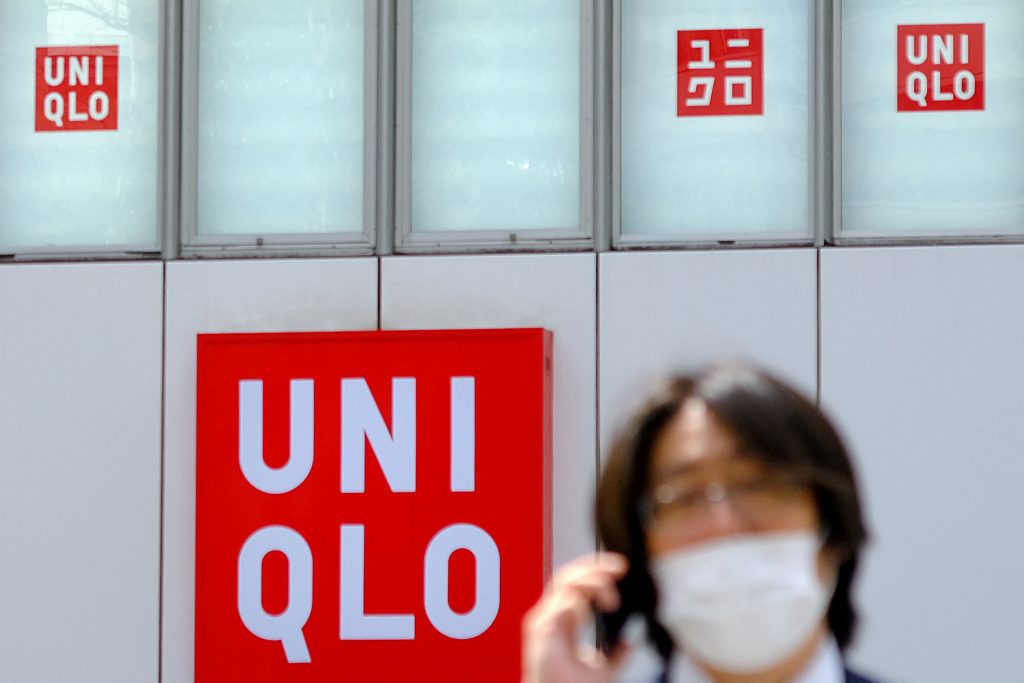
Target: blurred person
730	513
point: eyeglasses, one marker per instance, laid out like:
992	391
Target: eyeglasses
762	501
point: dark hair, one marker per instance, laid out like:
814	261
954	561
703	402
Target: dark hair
779	426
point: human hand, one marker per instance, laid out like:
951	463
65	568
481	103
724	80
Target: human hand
552	652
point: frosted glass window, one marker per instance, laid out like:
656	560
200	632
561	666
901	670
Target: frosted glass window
948	161
280	116
495	115
75	177
722	166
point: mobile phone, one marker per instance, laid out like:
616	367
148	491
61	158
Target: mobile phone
609	625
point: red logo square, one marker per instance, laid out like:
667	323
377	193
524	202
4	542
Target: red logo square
371	507
940	67
720	72
76	88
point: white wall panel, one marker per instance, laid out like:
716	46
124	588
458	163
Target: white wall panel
233	296
668	311
551	291
80	491
922	362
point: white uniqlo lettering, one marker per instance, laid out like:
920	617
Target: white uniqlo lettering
942	49
917	88
250	437
99	105
285	627
53	71
705	55
488	581
53	109
354	623
78	71
395	450
705	84
361	421
85	101
745	83
917	57
73	112
738	63
463	434
937	93
963	85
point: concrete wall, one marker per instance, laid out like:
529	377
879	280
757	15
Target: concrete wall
915	351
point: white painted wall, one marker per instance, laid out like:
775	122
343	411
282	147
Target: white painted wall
921	366
80	350
672	311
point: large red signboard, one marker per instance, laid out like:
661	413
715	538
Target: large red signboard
370	506
940	67
720	72
76	88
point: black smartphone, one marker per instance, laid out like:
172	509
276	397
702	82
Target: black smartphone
609	625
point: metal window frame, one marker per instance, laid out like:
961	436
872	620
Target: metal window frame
408	241
817	193
170	128
167	28
908	238
195	245
386	224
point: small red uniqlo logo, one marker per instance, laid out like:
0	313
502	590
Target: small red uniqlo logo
721	72
76	88
940	67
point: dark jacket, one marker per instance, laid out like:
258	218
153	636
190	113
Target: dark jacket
851	677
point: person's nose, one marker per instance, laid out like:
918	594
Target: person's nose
723	516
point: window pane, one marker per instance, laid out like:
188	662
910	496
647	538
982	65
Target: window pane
495	115
932	114
78	144
714	118
280	116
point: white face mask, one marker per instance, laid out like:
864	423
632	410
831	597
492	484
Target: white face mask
743	604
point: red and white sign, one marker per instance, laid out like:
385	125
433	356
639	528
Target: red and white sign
76	88
370	506
720	72
940	67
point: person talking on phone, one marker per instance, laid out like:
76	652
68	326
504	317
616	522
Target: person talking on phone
730	514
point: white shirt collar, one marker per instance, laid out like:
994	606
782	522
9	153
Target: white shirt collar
825	667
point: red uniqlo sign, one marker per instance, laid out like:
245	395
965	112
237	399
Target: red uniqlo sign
76	88
370	506
940	67
720	72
